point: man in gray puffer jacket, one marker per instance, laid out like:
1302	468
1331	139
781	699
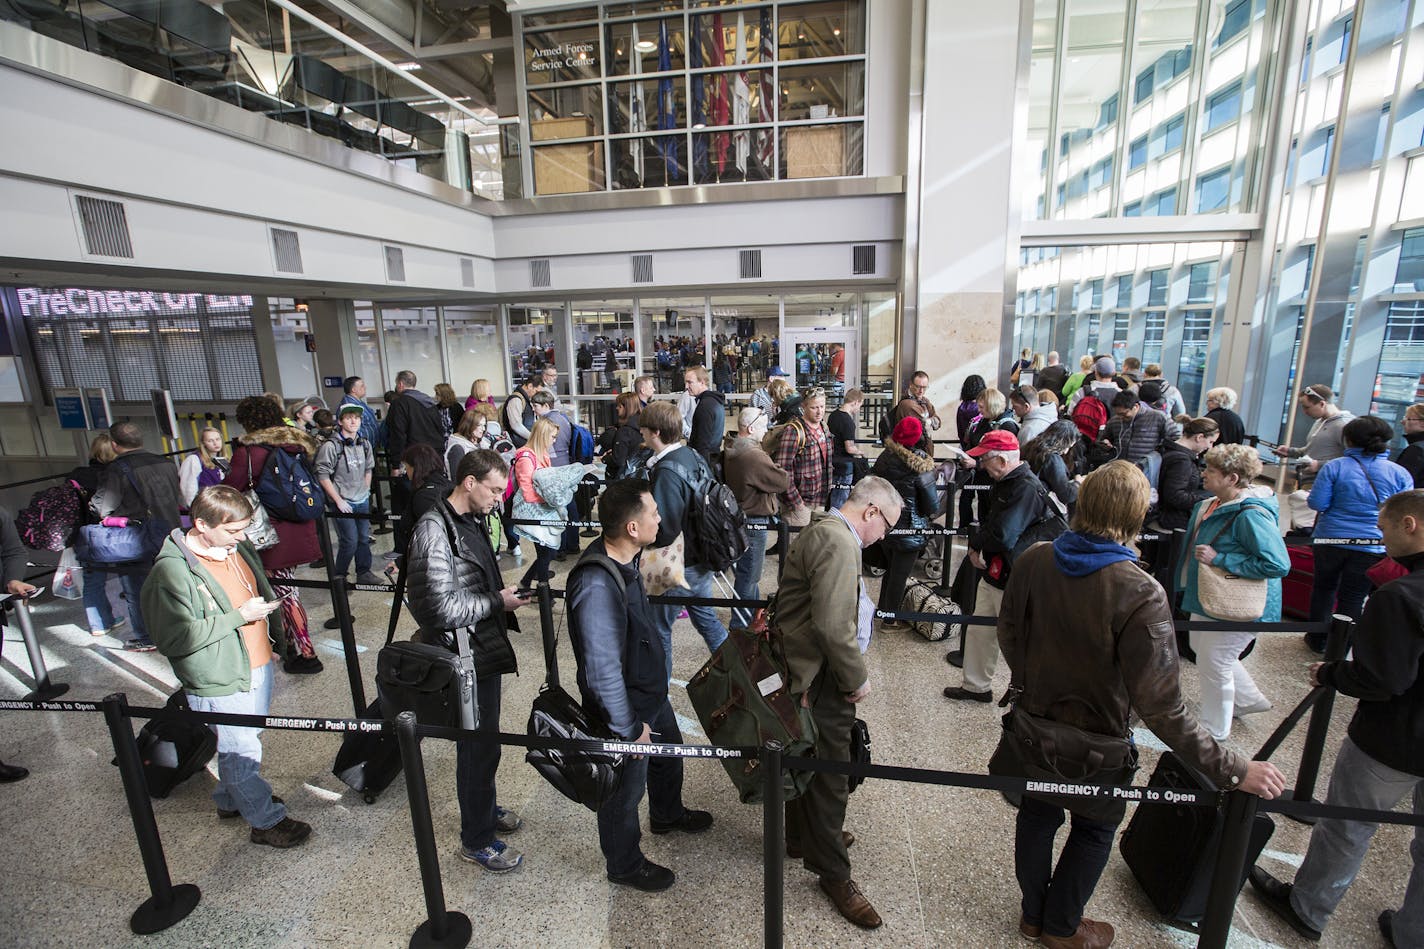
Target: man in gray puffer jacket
1134	432
454	588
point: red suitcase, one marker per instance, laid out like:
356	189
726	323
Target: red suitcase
1295	588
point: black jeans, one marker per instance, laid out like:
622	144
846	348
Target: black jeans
539	569
897	575
1339	571
476	763
1054	897
618	831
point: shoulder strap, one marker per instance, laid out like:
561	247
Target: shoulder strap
129	476
1368	477
1230	522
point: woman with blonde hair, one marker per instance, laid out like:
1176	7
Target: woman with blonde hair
205	467
530	505
1236	535
480	395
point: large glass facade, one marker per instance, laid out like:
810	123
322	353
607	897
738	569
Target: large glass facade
1163	303
1140	110
645	95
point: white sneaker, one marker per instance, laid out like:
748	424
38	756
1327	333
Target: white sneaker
1262	706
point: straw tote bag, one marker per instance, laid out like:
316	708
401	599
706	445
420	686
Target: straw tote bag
1226	596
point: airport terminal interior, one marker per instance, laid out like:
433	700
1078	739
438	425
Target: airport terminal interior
205	201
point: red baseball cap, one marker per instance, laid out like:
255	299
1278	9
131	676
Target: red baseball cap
995	441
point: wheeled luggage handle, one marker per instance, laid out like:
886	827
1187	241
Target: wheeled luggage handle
546	629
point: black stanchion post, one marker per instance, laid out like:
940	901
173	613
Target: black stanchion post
773	845
1337	644
946	577
546	630
783	540
44	688
342	606
380	525
169	903
441	927
1230	870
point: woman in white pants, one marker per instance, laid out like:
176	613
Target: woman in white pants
1237	532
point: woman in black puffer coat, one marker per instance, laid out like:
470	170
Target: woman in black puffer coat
911	471
1179	482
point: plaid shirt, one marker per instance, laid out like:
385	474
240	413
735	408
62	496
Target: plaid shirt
805	453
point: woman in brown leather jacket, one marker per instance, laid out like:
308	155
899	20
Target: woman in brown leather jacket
1089	637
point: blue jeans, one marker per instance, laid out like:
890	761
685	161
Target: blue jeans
704	618
841	473
475	765
131	582
98	611
618	831
1054	896
747	572
353	539
240	787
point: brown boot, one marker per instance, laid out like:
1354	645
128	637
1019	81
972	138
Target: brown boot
1091	934
285	833
851	902
1029	930
793	850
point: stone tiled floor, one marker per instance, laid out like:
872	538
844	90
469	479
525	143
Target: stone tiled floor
935	861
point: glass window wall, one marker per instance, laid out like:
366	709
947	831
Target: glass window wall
694	95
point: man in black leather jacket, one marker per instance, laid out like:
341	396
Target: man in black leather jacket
454	588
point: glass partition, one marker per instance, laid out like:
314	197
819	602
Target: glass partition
472	348
412	337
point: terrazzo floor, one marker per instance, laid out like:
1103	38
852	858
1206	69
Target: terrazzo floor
936	862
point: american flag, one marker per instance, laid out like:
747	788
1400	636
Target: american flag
765	113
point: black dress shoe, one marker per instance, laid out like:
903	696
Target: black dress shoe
1386	927
955	657
332	623
10	773
1276	895
691	822
650	878
960	693
1315	642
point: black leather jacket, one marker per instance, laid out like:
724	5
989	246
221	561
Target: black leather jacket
458	587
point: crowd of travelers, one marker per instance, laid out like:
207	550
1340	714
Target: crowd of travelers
1066	481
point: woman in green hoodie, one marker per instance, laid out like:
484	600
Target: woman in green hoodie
208	600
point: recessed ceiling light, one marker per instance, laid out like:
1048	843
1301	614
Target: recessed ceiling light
646	46
408	67
837	31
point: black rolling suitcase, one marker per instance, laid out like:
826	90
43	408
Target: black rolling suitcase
368	761
1171	849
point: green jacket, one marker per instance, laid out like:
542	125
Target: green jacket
190	619
817	605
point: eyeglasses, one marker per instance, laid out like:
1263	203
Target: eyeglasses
881	514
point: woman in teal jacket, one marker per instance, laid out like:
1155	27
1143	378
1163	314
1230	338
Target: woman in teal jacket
1239	533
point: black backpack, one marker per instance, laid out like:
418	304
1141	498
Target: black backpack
716	525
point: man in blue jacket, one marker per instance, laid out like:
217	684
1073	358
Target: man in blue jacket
354	388
1382	758
622	679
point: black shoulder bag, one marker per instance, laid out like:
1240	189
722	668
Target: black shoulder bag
427	679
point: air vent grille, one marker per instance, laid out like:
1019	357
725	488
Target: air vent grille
539	273
106	227
862	258
467	272
395	264
750	264
286	250
642	268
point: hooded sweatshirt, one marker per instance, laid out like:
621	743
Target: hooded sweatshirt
1035	422
1079	555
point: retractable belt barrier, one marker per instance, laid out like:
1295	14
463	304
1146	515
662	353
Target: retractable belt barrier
943	778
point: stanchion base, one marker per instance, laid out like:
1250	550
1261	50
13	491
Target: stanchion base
457	933
1306	819
52	691
154	917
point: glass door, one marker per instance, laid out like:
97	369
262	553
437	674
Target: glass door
825	357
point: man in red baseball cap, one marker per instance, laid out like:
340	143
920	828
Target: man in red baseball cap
1018	514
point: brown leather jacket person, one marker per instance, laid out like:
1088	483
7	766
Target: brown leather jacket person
1089	636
